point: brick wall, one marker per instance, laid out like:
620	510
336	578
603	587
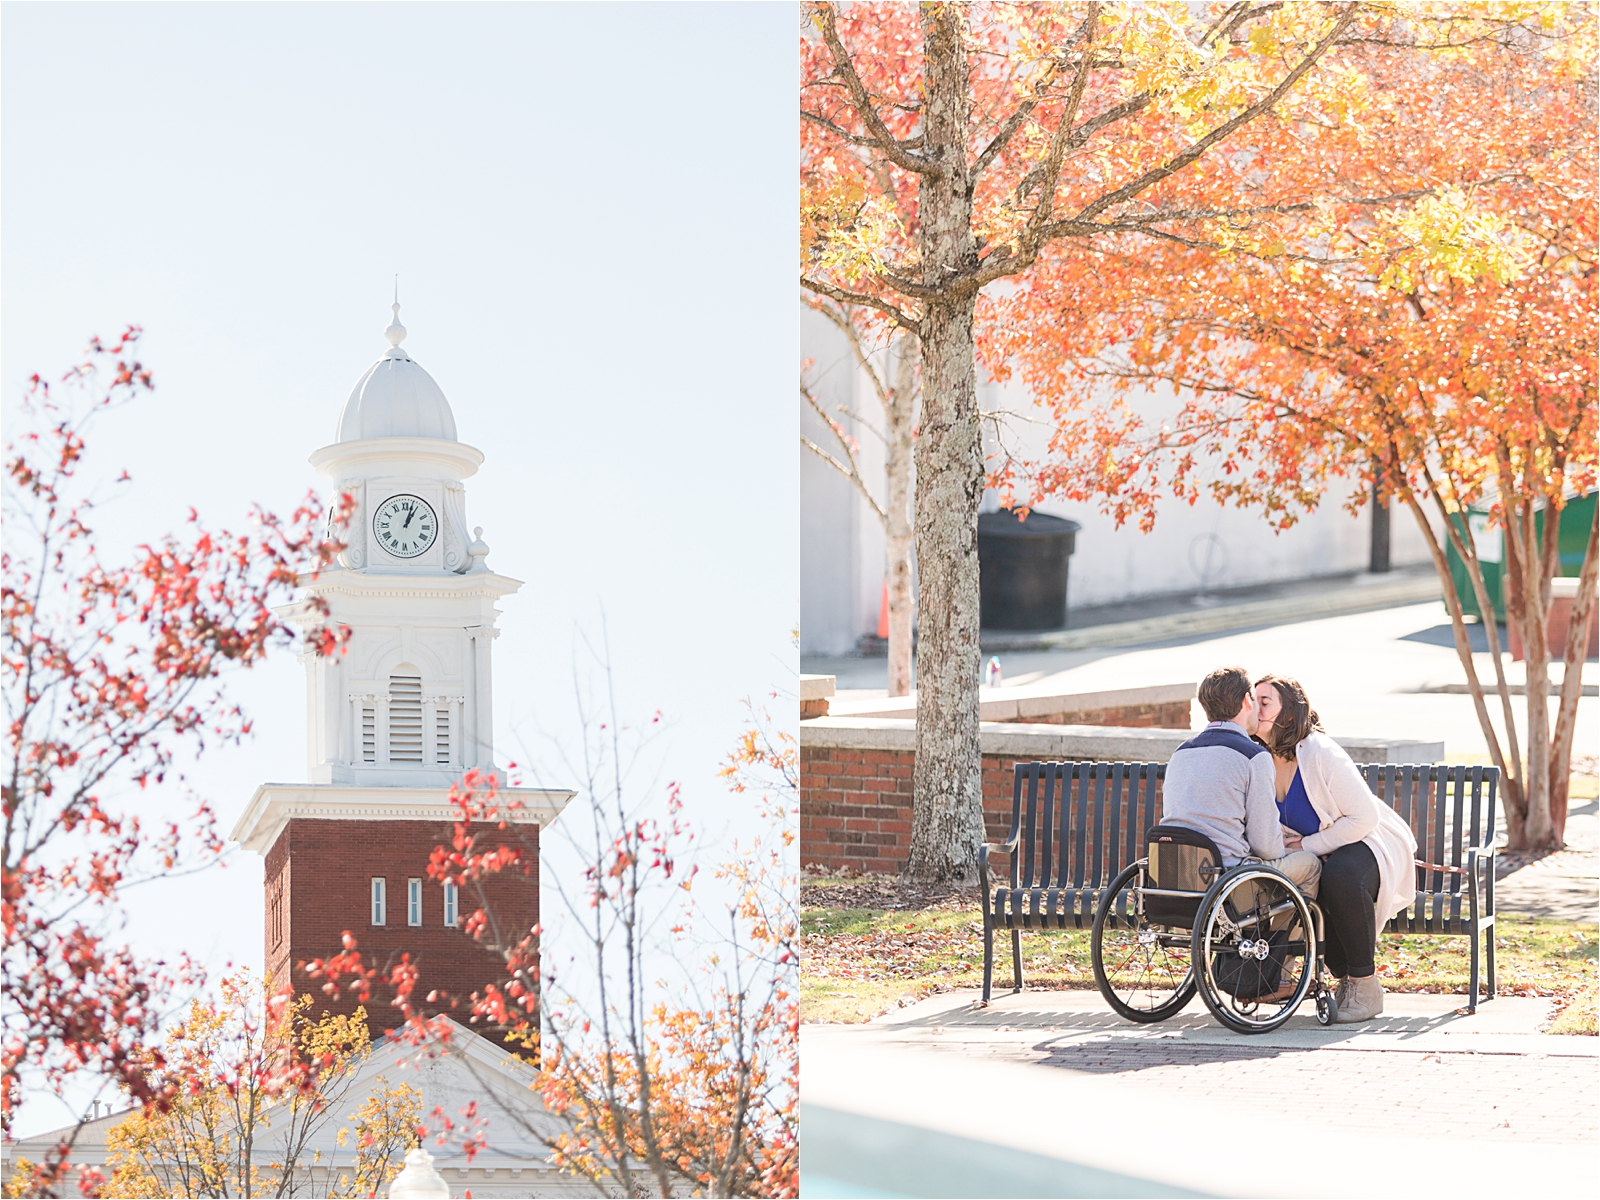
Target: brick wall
855	808
318	884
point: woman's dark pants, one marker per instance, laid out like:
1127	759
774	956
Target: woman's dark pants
1348	894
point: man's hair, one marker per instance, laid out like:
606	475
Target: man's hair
1223	691
1294	723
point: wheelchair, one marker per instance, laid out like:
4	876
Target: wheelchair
1177	921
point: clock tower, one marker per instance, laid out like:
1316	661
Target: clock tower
401	715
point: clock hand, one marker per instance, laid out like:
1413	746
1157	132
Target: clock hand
409	515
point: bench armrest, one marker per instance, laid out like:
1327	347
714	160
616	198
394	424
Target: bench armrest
1009	846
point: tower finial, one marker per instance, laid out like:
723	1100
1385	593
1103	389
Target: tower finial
396	333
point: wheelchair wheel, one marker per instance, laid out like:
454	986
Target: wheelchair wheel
1254	948
1144	971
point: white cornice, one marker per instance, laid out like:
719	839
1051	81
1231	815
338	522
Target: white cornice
484	585
371	457
275	804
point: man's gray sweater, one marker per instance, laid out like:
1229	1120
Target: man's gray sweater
1221	784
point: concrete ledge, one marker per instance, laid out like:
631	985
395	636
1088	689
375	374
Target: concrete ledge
1020	703
816	687
1341	597
1073	743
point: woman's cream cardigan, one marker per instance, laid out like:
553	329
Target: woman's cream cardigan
1347	811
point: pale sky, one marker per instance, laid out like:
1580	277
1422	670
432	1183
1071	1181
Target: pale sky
591	212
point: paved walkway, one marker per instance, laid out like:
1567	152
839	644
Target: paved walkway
1050	1094
1565	885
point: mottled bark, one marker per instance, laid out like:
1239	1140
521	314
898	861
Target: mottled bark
901	412
947	819
1572	681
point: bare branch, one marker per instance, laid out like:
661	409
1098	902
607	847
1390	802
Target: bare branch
843	296
848	467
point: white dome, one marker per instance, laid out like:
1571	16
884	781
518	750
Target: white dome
396	398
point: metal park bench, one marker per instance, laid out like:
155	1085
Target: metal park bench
1076	825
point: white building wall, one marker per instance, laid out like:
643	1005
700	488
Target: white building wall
841	539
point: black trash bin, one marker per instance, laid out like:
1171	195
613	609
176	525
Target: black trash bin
1022	570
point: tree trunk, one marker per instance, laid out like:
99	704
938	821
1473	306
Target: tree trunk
1511	793
1378	559
898	467
1572	682
1532	605
947	818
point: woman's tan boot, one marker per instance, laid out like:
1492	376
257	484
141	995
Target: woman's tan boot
1363	999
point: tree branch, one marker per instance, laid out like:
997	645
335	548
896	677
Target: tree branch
1175	164
848	468
844	296
896	151
1015	121
855	139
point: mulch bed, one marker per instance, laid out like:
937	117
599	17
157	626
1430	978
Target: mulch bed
886	892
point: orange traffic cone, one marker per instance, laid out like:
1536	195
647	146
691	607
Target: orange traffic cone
883	613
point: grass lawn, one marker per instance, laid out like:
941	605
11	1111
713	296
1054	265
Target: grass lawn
869	946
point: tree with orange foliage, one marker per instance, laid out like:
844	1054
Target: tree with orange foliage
950	147
1443	349
691	1090
108	671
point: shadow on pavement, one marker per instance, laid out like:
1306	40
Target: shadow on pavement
1443	635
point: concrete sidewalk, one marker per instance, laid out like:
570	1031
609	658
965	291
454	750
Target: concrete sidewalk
1051	1094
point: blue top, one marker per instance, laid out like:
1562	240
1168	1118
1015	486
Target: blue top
1295	810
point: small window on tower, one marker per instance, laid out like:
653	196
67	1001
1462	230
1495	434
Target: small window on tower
441	723
369	735
413	902
377	900
449	905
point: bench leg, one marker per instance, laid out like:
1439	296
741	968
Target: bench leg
1016	956
1489	935
988	956
1472	972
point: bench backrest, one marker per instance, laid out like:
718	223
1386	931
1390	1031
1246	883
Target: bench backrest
1081	822
1450	810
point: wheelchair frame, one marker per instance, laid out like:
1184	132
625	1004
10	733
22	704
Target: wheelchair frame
1221	928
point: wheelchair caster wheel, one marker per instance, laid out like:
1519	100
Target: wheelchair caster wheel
1327	1007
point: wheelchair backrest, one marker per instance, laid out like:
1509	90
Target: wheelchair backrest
1182	860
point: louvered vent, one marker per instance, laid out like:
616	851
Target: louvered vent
369	735
405	719
441	736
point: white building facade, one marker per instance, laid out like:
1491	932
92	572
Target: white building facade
1206	547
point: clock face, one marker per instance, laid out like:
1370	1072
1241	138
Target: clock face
405	526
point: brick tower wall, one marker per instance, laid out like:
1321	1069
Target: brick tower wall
318	884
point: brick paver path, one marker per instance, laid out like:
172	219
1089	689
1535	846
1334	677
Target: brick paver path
1395	1092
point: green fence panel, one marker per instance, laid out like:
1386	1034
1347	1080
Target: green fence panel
1570	541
